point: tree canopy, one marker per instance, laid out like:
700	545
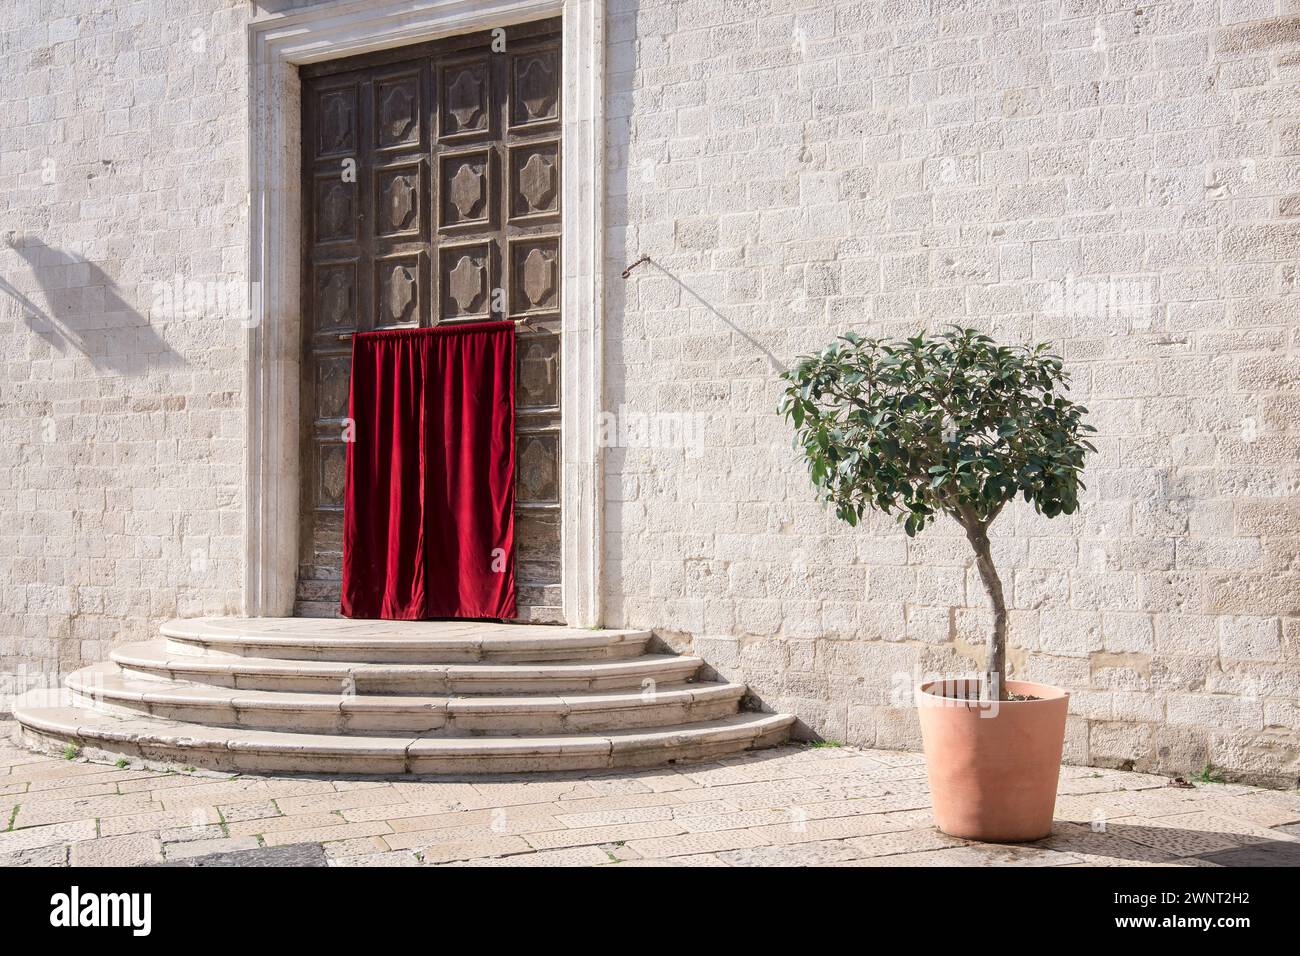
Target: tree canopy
951	423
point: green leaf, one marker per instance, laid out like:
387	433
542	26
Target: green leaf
950	422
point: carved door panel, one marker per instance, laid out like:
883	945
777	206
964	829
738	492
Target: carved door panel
430	196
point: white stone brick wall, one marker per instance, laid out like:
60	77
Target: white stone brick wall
122	166
1119	179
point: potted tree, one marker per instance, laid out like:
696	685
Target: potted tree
955	424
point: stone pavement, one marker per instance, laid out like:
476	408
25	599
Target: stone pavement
794	805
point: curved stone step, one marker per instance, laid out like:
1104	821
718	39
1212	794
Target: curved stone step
152	659
104	687
54	725
409	642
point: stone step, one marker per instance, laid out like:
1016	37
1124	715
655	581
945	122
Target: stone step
53	725
104	687
550	614
153	659
406	642
333	695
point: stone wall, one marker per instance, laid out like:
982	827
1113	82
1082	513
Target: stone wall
123	262
1119	179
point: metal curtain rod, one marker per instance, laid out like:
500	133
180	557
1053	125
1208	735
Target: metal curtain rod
524	320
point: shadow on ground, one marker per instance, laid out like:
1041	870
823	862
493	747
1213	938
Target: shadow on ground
1147	843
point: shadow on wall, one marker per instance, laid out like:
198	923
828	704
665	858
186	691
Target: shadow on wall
85	312
775	364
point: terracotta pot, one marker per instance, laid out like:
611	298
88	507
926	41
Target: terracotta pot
993	765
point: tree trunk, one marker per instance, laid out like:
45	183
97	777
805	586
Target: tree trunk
996	667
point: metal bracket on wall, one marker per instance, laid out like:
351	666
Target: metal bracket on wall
628	271
773	362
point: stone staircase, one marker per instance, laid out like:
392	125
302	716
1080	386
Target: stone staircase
339	696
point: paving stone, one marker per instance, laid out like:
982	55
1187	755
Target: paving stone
298	854
58	796
572	856
1258	809
902	841
345	800
721	776
694	859
740	820
1102	844
344	785
776	791
432	791
896	758
619	801
296	821
38	814
138	782
196	818
473	849
612	817
341	831
612	786
51	772
619	852
852	807
388	858
514	818
622	832
55	833
197	848
133	850
986	854
243	812
233	793
1239	829
666	782
922	819
817	853
516	795
1257	854
798	830
397	811
195	831
687	844
56	855
761	801
1107	783
355	846
1090	808
1170	839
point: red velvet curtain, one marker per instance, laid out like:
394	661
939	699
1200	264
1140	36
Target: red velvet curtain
428	526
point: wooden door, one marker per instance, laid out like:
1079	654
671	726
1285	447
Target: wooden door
431	195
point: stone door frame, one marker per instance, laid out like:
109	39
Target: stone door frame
277	45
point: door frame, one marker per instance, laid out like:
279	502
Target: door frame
277	44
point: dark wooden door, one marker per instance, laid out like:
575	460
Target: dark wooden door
431	195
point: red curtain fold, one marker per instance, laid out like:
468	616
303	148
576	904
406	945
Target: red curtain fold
428	526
